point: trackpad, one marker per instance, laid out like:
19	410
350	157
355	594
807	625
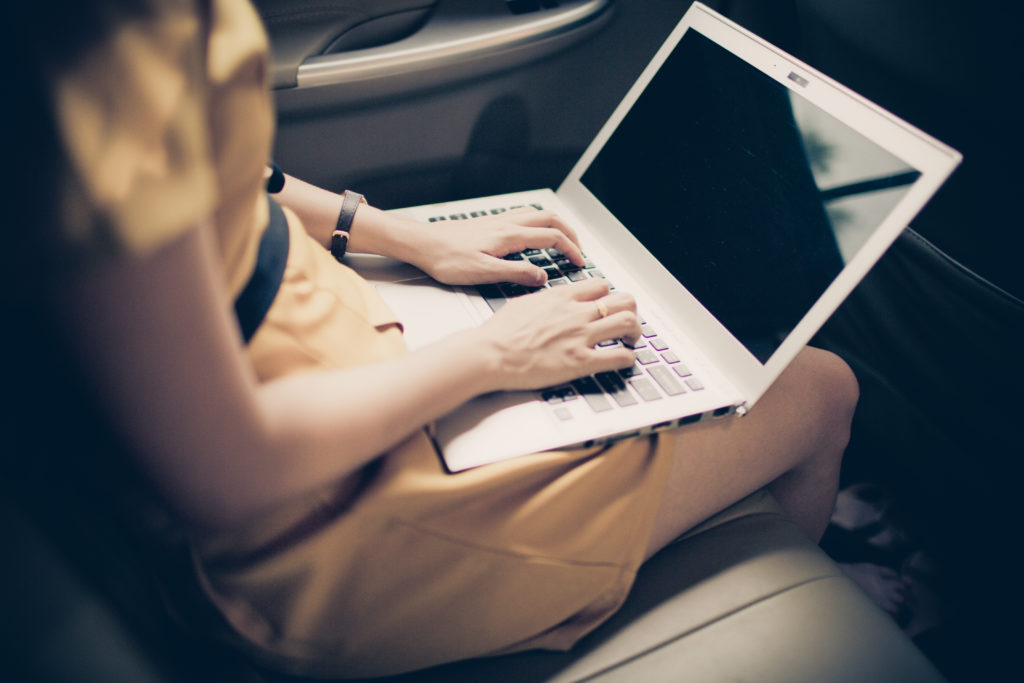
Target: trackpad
428	310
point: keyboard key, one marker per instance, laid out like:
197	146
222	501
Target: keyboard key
646	357
559	394
613	384
492	295
512	290
666	380
631	371
657	344
592	394
622	386
682	370
586	384
645	388
694	384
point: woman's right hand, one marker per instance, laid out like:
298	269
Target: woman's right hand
550	337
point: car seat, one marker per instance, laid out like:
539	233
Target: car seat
934	332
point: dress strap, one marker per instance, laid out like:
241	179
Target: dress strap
254	301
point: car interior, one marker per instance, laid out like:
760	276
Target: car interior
419	101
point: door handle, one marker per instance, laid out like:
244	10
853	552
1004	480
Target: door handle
462	39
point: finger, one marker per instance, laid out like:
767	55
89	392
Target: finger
520	272
538	218
549	238
614	358
552	220
566	240
522	238
614	302
615	317
526	237
622	325
586	290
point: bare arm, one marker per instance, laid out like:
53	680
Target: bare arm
159	339
456	252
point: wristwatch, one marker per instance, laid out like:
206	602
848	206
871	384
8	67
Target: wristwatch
350	202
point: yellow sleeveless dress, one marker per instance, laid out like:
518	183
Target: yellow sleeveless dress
416	567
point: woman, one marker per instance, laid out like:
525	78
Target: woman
322	524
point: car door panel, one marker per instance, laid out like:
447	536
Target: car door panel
312	27
479	99
463	38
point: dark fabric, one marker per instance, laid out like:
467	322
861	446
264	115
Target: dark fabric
944	337
275	183
254	301
937	352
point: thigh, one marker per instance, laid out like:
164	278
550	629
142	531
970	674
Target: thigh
805	413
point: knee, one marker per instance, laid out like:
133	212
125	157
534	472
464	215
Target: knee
835	377
835	389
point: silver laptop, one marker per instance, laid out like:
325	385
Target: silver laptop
738	194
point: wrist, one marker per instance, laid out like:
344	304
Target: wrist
483	358
379	232
350	204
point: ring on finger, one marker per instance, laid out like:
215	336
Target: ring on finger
602	308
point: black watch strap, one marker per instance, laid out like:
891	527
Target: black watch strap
339	238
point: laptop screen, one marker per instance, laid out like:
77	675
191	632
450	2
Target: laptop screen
752	197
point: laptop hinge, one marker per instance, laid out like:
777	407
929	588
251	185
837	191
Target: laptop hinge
742	409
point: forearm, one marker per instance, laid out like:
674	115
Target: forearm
156	337
221	446
323	424
373	231
457	252
320	424
316	207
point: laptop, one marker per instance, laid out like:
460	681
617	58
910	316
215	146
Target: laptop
738	194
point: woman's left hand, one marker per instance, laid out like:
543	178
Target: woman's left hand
471	251
462	252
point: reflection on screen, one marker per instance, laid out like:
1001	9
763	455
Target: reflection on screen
753	198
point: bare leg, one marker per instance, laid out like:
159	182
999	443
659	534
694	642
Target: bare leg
792	442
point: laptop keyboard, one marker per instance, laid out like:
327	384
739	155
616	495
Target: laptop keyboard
658	371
